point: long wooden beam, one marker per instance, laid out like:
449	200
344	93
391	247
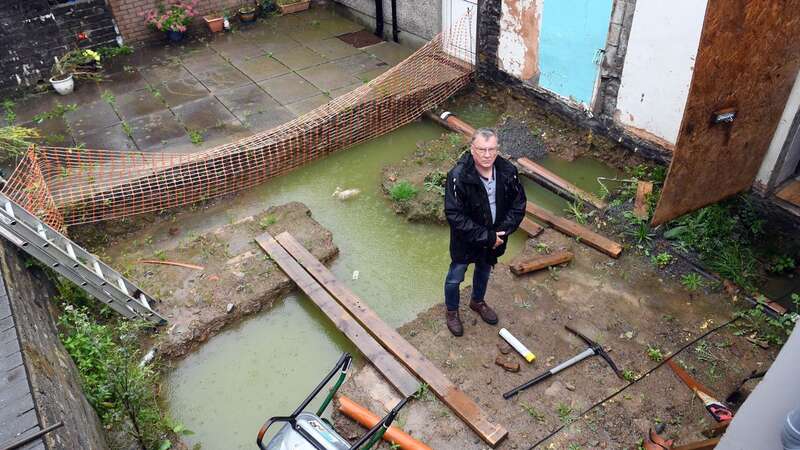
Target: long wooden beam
573	229
386	364
557	184
416	362
540	262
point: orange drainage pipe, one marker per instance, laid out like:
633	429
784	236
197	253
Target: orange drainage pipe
367	419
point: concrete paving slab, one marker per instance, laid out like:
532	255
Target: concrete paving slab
114	137
360	63
237	51
328	77
261	68
219	78
332	48
181	90
246	100
85	92
289	88
158	131
272	41
138	103
92	116
205	113
299	58
370	74
124	81
54	132
28	107
163	73
158	54
304	106
309	33
201	59
389	52
267	120
344	90
339	25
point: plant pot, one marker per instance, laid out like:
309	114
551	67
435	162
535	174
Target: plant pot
64	86
294	7
247	15
214	23
175	36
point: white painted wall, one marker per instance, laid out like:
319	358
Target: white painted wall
512	50
658	65
458	41
768	166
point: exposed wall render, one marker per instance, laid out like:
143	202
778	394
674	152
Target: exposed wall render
658	66
518	48
784	149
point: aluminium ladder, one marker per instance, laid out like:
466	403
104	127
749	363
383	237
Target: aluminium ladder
73	262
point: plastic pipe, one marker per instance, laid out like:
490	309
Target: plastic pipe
518	346
367	419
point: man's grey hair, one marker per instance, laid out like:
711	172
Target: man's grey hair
485	133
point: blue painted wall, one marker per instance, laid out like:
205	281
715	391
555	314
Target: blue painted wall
572	32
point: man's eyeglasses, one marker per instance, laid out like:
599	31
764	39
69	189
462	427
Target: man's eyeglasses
486	151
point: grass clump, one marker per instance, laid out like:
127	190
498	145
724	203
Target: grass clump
434	182
692	281
402	191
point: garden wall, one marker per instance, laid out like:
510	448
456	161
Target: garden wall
37	31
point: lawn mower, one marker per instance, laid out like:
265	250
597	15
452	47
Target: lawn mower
307	431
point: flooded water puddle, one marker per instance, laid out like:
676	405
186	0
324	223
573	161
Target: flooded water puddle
269	363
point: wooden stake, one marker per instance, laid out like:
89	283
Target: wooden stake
557	184
643	189
540	262
532	228
571	228
461	404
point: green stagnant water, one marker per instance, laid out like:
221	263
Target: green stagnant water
268	364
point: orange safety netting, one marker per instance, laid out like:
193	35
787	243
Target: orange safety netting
68	186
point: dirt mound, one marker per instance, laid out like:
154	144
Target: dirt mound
517	140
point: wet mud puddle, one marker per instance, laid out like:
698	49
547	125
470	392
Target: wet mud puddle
269	363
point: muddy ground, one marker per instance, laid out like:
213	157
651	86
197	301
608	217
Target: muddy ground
434	158
628	305
236	274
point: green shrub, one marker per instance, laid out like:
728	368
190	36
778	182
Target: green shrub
402	191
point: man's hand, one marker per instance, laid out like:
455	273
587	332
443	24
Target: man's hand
497	241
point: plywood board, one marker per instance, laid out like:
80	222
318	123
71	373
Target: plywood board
747	61
386	364
461	404
790	192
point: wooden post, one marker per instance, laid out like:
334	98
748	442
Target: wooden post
643	189
540	262
571	228
557	184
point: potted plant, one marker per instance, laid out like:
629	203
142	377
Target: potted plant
266	7
247	13
77	63
172	18
293	6
215	21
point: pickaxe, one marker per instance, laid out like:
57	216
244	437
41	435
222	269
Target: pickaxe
594	349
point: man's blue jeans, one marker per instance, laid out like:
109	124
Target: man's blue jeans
480	279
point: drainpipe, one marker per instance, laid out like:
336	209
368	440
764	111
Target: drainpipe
394	21
379	18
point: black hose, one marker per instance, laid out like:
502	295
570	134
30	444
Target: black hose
379	18
395	31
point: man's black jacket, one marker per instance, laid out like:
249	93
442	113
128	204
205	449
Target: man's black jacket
466	205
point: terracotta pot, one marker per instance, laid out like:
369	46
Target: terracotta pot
214	23
294	7
247	16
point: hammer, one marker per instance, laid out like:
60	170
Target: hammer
594	349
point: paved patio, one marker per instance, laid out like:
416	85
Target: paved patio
210	91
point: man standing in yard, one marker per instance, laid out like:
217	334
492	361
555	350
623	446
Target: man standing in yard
484	203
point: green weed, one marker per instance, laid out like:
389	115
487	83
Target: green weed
196	136
655	354
533	412
267	221
756	322
662	260
575	209
692	281
8	107
127	129
57	112
628	375
435	182
781	263
108	97
565	414
402	191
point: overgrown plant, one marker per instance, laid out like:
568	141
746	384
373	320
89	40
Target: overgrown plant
15	140
692	281
434	182
576	210
755	322
80	63
402	191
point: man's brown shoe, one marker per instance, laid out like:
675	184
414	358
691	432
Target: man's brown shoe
454	323
487	314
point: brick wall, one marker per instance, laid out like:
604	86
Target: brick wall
129	15
36	31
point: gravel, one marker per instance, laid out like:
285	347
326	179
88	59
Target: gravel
517	140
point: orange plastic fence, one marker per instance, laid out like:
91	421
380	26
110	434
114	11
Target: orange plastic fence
68	186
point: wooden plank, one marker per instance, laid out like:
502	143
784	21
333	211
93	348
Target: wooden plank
643	189
397	375
557	184
532	228
716	430
416	362
573	229
540	262
713	161
707	444
790	192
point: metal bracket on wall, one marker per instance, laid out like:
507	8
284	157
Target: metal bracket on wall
87	271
